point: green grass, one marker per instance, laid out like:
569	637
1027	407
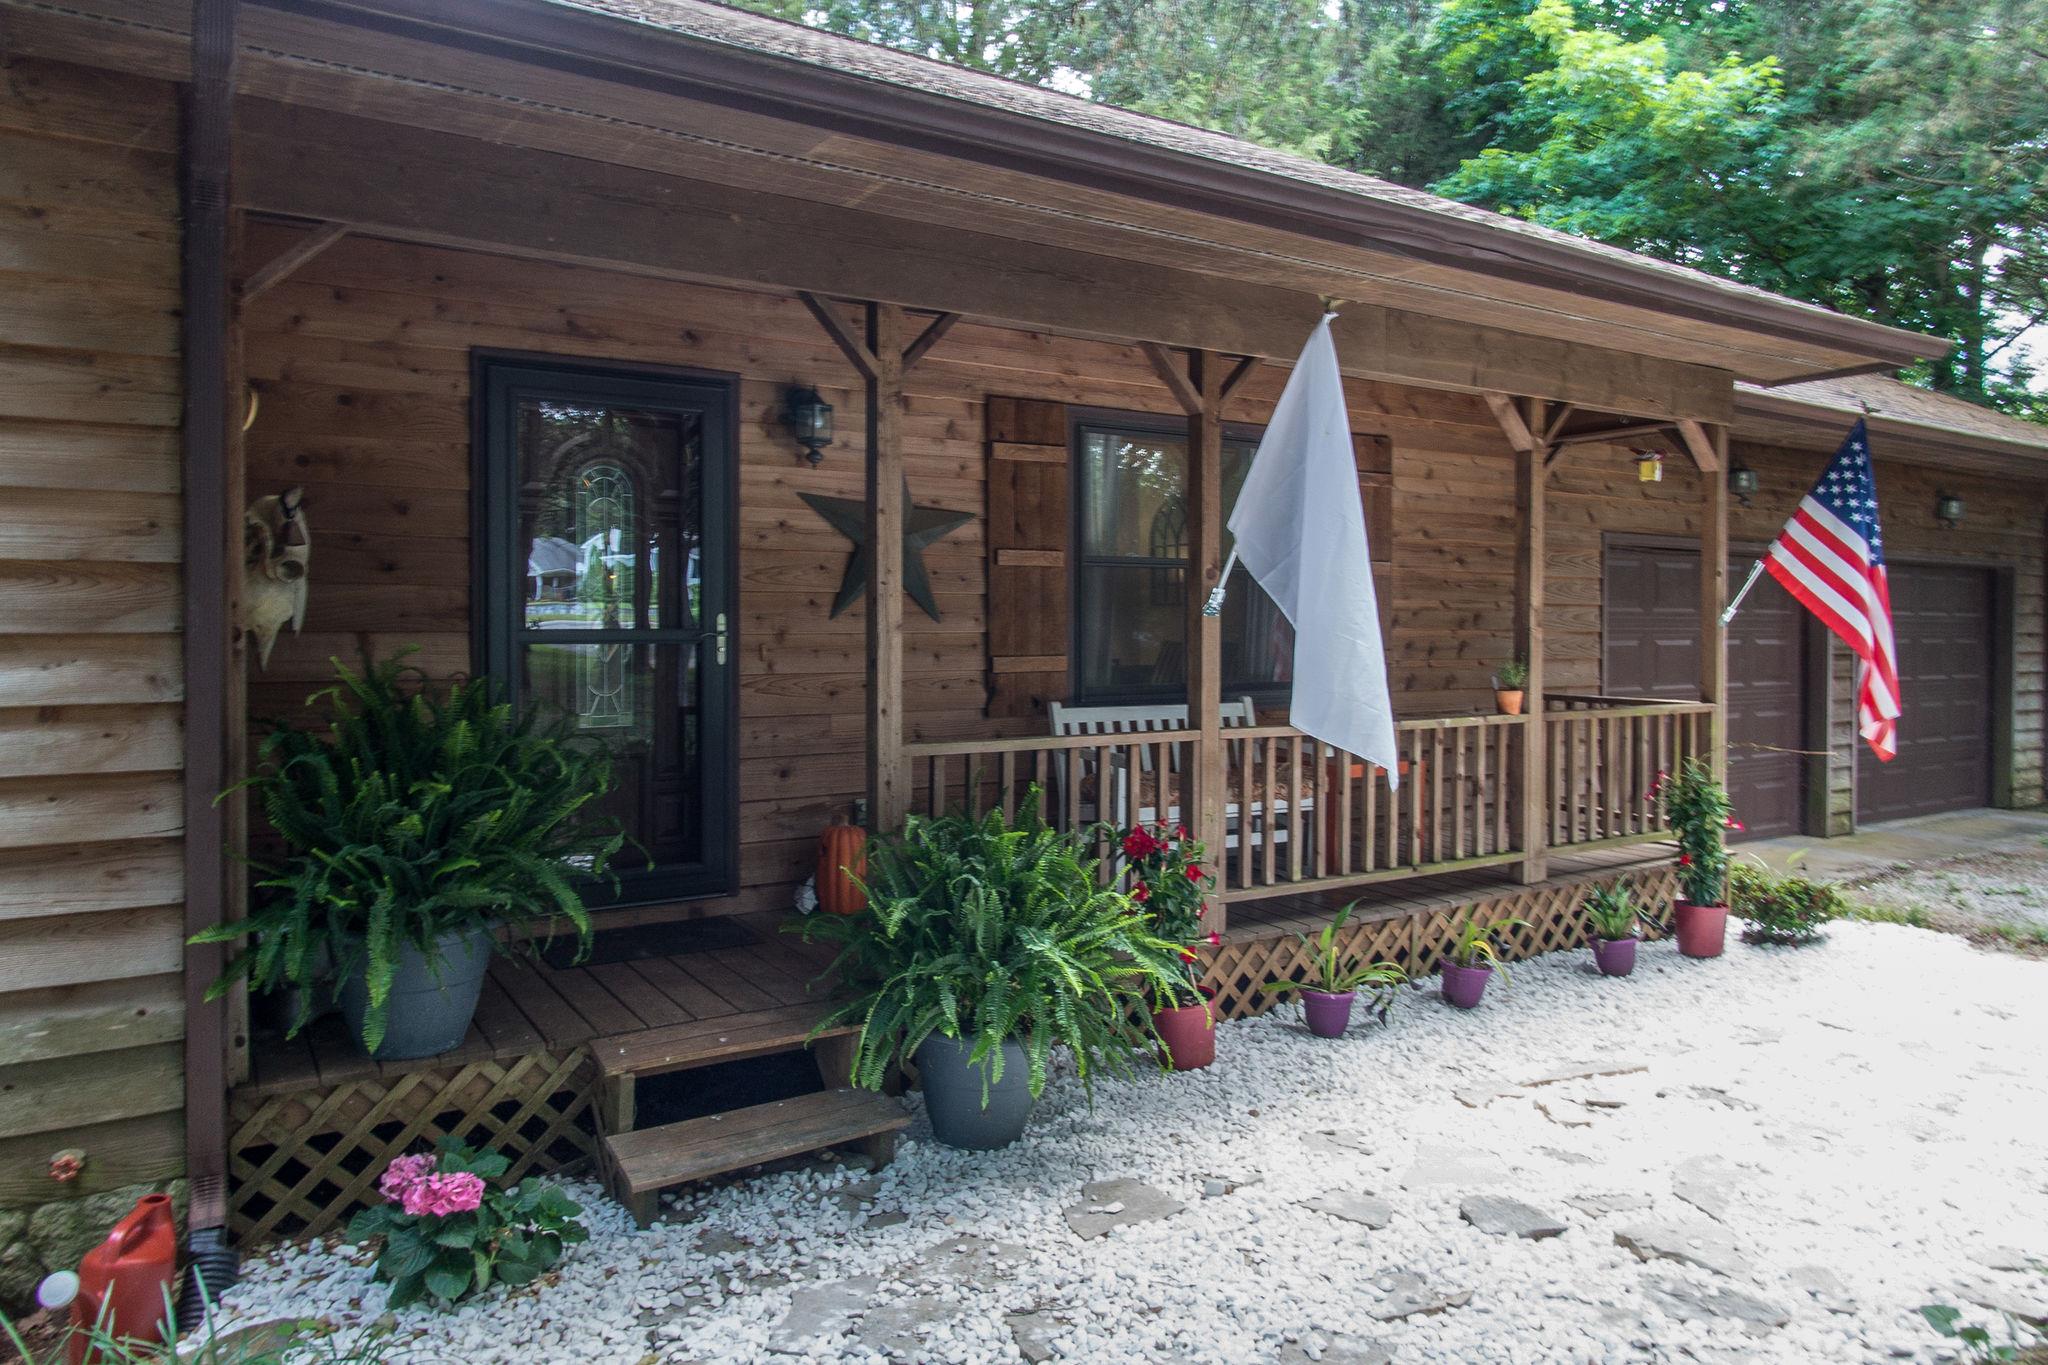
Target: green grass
1913	915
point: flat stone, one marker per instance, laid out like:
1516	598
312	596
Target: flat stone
851	1197
877	1221
1440	1165
1033	1333
1602	1205
967	1260
1823	1287
1568	1157
1343	1141
821	1312
1340	1350
898	1330
1561	1120
1708	1183
1479	1096
1604	1102
1110	1204
2030	1307
1694	1303
1505	1217
1410	1296
1587	1071
1369	1209
1687	1243
2008	1258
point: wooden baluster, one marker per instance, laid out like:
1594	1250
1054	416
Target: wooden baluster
1342	850
1416	782
1006	782
1461	791
1292	792
1572	815
1531	731
1482	797
1135	768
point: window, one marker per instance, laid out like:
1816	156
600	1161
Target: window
1130	608
606	593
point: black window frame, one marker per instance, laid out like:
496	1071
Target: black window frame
499	380
1080	422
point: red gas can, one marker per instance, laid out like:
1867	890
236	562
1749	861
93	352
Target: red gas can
123	1282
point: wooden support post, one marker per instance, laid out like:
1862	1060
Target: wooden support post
1714	592
1532	467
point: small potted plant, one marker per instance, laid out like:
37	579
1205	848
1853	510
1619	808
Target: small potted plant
1613	921
446	1232
1472	962
1697	808
987	944
1335	978
421	830
1166	878
1788	910
1508	685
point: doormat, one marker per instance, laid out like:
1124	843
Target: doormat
634	943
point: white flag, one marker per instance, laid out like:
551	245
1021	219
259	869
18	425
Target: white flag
1300	529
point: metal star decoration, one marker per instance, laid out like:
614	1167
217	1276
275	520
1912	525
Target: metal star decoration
922	527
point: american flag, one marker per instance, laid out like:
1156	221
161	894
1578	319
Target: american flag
1831	557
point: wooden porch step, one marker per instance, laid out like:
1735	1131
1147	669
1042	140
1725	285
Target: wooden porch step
706	1042
640	1165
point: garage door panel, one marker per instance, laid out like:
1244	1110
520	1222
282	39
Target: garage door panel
1941	616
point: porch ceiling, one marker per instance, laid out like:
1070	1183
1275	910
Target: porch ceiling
716	98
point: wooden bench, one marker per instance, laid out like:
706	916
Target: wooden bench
640	1165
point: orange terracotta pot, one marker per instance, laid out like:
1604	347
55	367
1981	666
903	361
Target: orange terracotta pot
1510	703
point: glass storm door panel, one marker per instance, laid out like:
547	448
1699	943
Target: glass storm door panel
607	506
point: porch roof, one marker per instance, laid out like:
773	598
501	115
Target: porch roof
1908	423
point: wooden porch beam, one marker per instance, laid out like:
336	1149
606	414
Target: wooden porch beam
852	344
1512	423
934	332
1177	382
1532	470
1242	368
1633	431
1713	596
1204	384
287	262
1707	449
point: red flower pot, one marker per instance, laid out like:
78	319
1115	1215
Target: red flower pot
1702	929
1189	1033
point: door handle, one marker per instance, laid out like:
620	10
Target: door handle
720	631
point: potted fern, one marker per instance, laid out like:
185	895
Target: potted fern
1509	685
1472	962
418	828
986	945
1334	980
1613	920
1697	808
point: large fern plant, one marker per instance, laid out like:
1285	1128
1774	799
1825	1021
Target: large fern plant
416	811
987	931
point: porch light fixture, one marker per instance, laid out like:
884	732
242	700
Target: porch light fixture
1649	466
1742	482
809	419
1948	509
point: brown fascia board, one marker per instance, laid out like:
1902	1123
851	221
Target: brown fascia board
561	36
1930	445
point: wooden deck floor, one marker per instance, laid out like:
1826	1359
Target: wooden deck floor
530	1007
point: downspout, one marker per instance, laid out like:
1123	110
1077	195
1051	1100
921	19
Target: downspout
209	426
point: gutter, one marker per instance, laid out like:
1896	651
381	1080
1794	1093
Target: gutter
602	45
1936	446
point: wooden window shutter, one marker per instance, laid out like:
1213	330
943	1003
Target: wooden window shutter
1374	456
1028	522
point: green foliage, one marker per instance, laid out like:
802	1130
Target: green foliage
1512	676
1335	971
1612	912
513	1237
1975	1341
1781	909
985	931
1164	869
413	813
1700	815
305	1342
1474	946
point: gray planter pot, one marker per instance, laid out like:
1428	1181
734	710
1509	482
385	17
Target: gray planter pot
430	1007
279	1009
952	1095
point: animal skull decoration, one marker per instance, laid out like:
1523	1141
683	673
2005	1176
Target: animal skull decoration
276	548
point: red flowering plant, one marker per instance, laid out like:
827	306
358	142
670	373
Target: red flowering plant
446	1232
1698	810
1168	882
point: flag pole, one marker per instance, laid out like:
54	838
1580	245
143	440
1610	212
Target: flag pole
1755	570
1214	606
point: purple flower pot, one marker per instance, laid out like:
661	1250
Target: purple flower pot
1616	956
1327	1015
1464	985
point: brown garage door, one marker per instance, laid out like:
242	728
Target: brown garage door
1651	629
1942	618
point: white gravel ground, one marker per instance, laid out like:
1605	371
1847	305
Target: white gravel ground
1863	1118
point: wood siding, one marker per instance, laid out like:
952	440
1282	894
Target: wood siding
91	870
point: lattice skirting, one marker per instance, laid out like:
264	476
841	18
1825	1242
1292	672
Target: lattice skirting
1418	942
300	1163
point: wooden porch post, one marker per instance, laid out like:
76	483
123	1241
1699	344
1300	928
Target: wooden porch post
1708	447
1521	423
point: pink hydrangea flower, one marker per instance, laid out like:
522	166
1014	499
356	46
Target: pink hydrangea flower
403	1174
441	1195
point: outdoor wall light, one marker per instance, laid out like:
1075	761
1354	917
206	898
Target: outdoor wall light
809	419
1948	509
1742	482
1649	466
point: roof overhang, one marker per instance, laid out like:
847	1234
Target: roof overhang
1776	419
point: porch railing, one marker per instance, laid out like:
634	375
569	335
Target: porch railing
1603	755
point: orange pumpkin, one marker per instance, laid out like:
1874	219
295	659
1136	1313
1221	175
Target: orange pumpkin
842	850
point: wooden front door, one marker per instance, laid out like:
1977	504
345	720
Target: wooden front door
1941	616
1651	630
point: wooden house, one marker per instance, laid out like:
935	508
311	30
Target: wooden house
520	293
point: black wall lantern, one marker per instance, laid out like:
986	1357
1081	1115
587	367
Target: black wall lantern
1948	509
1742	482
809	419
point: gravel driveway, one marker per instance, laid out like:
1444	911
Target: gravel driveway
1778	1156
2003	895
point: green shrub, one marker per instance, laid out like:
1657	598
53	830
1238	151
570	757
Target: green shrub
1697	807
986	932
413	813
1781	909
